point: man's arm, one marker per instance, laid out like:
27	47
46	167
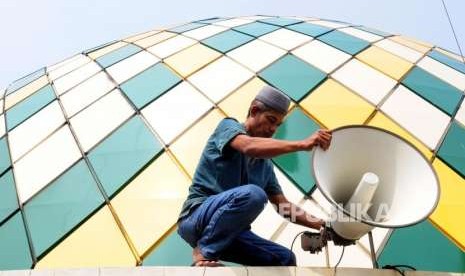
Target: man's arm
268	147
294	213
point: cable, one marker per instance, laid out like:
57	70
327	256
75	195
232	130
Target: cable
295	238
340	259
397	268
453	31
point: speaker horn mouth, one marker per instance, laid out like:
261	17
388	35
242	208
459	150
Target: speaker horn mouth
409	184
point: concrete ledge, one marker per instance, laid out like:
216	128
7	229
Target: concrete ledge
217	271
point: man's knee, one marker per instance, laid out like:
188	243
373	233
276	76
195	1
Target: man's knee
255	195
289	259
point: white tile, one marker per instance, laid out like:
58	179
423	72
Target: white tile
66	66
290	191
226	271
304	258
183	271
364	80
233	22
2	125
267	223
131	66
255	17
141	35
176	110
28	134
361	34
399	50
354	256
416	115
171	46
321	55
285	38
443	71
379	236
1	105
66	82
85	93
204	32
45	162
99	119
329	24
271	271
460	116
220	78
256	55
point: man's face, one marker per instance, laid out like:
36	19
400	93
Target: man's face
265	123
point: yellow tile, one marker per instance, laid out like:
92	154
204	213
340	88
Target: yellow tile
154	39
140	36
334	105
412	43
98	242
189	146
237	104
191	59
382	121
107	49
149	206
385	62
449	213
25	92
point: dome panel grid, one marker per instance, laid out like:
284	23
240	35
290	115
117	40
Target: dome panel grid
226	83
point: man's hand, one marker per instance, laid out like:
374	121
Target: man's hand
321	138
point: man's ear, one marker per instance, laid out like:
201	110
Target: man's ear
254	110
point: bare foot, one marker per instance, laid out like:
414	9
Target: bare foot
200	260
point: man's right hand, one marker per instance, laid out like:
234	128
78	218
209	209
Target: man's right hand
321	138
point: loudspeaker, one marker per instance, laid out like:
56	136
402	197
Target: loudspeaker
374	178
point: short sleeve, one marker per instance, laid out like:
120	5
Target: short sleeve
272	186
227	129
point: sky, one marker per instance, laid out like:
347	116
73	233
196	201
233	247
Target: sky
39	33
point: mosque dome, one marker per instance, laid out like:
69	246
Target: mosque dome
97	151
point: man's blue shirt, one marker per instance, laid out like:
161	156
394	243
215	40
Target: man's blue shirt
221	168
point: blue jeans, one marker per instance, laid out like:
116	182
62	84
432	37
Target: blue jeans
220	227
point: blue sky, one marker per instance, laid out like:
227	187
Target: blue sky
39	33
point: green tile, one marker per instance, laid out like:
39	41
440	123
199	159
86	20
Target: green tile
256	29
8	198
452	62
14	249
452	150
187	27
123	154
61	206
293	76
5	160
296	165
423	247
29	106
226	41
118	55
309	29
172	251
373	31
344	42
150	84
280	21
17	84
439	93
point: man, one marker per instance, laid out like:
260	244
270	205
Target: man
234	180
